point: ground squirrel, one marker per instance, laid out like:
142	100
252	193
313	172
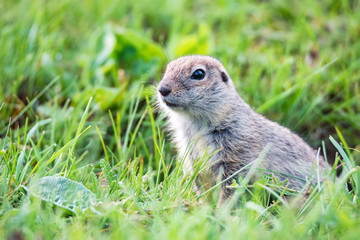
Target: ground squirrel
203	107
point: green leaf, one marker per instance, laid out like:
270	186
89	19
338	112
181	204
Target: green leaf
64	193
132	51
108	97
199	43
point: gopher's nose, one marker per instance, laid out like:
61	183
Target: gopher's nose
164	91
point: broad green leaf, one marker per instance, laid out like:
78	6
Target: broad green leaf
64	193
129	50
107	97
198	43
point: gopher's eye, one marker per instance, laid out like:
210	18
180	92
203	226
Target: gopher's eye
198	74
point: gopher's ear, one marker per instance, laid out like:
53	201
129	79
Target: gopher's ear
224	77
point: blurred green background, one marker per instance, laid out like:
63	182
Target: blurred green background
296	62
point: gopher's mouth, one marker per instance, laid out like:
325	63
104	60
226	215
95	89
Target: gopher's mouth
171	105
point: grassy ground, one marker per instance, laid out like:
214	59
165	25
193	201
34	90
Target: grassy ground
76	100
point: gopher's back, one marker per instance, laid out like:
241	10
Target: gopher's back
248	136
288	154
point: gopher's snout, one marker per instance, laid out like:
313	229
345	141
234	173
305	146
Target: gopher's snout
164	91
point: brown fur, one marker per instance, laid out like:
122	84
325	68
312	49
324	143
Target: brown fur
211	111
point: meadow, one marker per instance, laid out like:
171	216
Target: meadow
84	153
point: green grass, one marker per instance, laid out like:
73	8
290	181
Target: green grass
77	100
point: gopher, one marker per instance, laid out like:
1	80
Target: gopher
206	114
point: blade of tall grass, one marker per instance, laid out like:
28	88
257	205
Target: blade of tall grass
78	131
133	109
55	155
291	90
154	132
103	144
